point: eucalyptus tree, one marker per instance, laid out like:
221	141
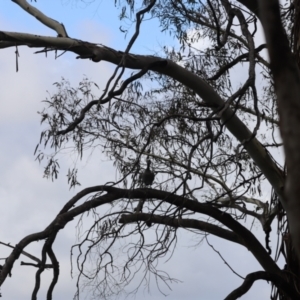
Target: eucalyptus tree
209	134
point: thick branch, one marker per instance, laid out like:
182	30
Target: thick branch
248	238
32	40
244	235
183	223
250	278
287	87
59	222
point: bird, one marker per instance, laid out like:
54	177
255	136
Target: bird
147	177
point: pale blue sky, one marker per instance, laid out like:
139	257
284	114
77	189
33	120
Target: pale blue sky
30	202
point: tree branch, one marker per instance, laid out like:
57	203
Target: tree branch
249	240
252	277
252	5
225	68
182	223
59	28
287	87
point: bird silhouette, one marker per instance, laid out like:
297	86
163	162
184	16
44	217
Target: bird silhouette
147	176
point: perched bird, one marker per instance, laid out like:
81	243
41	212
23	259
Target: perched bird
147	177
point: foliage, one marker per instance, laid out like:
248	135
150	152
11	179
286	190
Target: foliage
193	154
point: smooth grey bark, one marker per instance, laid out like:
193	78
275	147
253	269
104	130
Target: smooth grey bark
51	23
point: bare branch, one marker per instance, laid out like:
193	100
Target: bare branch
225	68
113	194
182	223
59	28
111	95
252	277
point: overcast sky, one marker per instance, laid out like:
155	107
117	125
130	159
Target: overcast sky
30	202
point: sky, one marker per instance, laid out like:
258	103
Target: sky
30	202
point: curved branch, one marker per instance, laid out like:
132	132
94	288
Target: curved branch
112	194
252	277
182	223
225	68
60	221
55	265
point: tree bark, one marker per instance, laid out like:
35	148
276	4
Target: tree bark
287	86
